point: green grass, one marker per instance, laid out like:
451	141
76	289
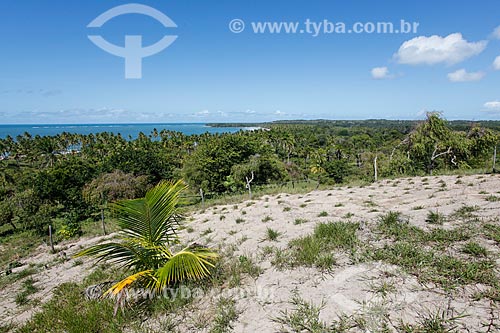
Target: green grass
437	322
272	235
17	246
299	221
474	249
435	218
91	228
28	289
267	218
68	311
323	214
304	317
225	314
382	288
9	279
393	225
370	203
492	198
492	231
287	209
232	270
443	270
465	212
239	220
206	232
318	248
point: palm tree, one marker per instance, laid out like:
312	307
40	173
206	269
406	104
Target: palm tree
148	229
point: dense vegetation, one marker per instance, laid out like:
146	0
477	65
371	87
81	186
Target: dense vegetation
66	179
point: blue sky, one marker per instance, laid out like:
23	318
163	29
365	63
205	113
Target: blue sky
50	72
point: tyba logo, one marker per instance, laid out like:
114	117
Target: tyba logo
133	51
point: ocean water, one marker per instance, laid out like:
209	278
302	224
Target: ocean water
125	130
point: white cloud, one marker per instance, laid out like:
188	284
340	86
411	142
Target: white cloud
202	113
496	33
379	73
496	63
492	106
462	75
42	92
85	116
451	49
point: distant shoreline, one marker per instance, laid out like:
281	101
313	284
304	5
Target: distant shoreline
126	130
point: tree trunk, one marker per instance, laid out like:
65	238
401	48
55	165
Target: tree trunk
375	168
248	185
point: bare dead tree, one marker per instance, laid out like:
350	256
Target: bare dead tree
405	141
435	155
249	180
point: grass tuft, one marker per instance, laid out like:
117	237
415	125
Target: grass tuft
272	234
317	249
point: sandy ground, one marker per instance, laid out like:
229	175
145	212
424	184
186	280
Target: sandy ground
51	271
346	289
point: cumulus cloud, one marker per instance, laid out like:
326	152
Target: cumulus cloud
492	106
379	73
462	75
496	33
496	63
451	49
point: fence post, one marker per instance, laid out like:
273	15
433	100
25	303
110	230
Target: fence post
50	238
202	199
102	221
494	158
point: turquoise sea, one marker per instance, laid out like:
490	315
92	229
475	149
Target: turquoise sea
125	130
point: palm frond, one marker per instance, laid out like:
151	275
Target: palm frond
188	264
148	228
123	254
153	217
126	282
